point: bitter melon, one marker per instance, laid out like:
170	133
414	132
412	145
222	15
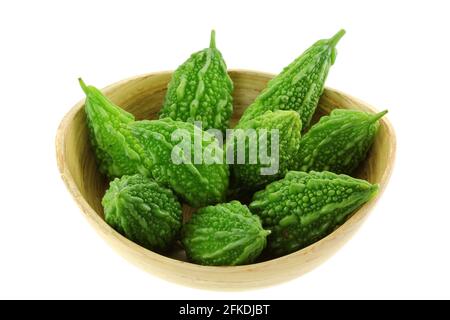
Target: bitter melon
200	90
184	158
299	86
249	172
224	235
304	207
126	147
117	151
338	142
143	211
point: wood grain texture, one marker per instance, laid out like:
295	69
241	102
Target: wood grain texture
143	96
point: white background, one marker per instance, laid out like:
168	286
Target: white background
395	55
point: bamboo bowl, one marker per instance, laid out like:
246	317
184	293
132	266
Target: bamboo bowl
143	96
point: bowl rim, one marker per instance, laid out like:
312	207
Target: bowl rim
102	227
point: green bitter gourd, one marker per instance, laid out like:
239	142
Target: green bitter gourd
200	90
299	86
338	142
184	158
304	207
248	174
224	235
126	147
143	211
117	151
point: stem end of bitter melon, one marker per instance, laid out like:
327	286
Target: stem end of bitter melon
378	116
212	41
335	39
83	85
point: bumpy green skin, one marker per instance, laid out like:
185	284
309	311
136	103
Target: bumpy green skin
299	86
198	184
338	142
200	90
224	235
143	211
126	147
305	207
248	175
117	151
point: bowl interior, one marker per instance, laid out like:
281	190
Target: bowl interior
143	97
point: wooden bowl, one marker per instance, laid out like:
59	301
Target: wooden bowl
143	96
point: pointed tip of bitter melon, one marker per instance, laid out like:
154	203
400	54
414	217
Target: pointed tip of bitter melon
264	233
83	85
378	116
212	41
374	190
335	39
289	117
